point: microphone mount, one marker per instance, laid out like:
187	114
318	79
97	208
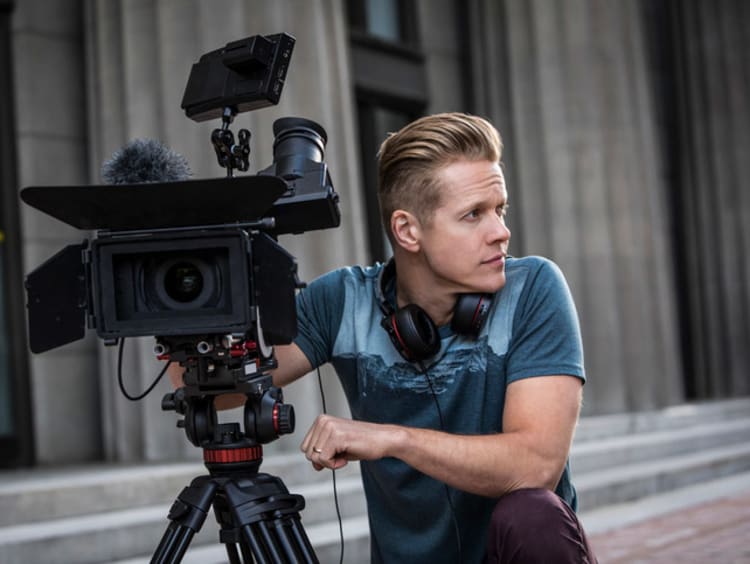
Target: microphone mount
230	155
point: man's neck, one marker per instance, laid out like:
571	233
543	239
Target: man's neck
416	284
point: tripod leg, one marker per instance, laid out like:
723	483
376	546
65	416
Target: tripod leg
173	544
269	541
300	537
256	546
187	515
279	540
293	540
234	557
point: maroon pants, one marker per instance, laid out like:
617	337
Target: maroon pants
535	526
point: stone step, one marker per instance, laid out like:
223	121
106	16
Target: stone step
676	417
45	494
599	488
120	534
632	448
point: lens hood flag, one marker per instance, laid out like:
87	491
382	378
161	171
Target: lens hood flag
158	205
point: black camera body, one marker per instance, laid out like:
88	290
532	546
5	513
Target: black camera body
191	283
191	258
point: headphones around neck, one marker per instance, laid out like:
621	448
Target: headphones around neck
413	332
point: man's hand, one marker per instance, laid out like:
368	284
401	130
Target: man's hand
332	442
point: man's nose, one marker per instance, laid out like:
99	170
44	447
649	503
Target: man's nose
500	230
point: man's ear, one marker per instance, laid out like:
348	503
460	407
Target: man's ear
406	230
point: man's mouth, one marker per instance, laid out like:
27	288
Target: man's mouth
497	259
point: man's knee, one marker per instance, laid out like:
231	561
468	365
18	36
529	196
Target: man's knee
535	525
532	508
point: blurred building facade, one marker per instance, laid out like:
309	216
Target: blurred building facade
626	143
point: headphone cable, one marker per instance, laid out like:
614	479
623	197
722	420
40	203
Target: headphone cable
333	477
447	489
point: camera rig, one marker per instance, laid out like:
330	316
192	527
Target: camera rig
196	264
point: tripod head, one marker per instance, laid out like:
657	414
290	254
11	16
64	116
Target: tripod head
216	365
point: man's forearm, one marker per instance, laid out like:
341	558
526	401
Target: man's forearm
538	423
488	465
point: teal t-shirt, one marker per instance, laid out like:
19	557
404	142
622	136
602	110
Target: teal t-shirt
531	330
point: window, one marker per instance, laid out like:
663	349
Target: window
390	88
387	20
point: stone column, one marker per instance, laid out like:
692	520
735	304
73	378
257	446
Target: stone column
586	181
51	151
711	92
140	54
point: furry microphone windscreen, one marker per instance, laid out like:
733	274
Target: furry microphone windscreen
144	161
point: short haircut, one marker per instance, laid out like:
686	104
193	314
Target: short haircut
410	159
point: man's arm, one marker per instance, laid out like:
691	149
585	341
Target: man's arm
293	364
538	424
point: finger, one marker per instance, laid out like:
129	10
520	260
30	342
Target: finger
312	438
338	463
305	445
319	439
309	444
317	458
334	460
315	446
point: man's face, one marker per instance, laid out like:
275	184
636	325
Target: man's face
466	240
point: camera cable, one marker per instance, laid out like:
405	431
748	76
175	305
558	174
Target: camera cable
121	383
426	374
333	477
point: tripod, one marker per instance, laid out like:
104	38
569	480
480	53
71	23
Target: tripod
255	511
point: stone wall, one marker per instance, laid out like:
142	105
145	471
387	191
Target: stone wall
639	200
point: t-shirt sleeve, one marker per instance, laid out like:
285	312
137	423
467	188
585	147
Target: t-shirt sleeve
546	336
320	307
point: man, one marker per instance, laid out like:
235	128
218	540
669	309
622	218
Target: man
462	366
463	440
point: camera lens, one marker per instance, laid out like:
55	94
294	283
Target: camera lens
183	282
298	141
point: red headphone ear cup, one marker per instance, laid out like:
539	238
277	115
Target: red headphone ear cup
470	312
417	334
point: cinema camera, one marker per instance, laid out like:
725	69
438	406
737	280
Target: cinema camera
196	264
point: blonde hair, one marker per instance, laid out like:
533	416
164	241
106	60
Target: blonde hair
409	160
